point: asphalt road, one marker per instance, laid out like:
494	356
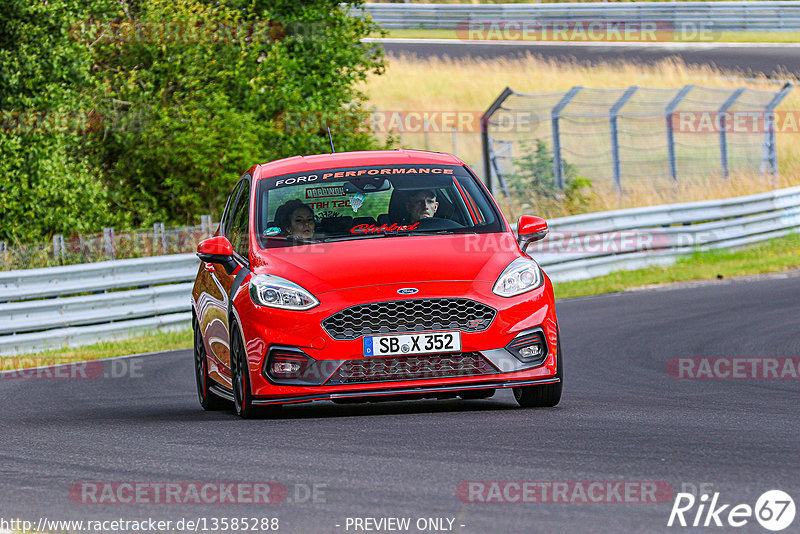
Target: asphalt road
778	61
622	418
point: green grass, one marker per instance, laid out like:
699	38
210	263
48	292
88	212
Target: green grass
722	37
153	342
773	256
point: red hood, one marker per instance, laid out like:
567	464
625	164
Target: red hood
393	260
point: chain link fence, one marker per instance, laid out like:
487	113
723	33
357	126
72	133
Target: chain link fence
628	137
108	245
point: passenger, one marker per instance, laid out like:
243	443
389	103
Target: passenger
421	205
296	219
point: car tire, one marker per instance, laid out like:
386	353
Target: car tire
475	394
208	399
546	395
240	381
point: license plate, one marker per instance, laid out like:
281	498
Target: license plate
429	342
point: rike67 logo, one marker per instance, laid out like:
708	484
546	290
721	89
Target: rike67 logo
774	510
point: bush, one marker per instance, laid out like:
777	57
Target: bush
175	122
48	184
533	184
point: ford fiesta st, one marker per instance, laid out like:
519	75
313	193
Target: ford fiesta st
370	276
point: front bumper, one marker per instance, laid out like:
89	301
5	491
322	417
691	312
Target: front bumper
265	329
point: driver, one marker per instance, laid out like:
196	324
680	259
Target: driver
421	205
296	219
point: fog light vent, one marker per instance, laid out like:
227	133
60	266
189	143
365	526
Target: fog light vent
529	346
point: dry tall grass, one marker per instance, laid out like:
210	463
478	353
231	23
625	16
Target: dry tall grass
445	84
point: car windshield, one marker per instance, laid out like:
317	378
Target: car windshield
372	202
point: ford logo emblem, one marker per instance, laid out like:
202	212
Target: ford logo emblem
408	290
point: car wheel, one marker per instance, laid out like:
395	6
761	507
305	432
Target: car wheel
208	400
240	378
476	394
545	395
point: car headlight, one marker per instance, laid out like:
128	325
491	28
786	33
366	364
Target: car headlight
521	275
276	292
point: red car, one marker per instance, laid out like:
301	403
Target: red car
365	276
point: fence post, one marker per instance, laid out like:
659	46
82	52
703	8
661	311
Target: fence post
163	232
205	225
59	253
670	109
769	156
485	118
613	115
108	242
4	252
723	136
56	252
558	171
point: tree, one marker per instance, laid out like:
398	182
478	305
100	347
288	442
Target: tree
180	97
205	99
47	182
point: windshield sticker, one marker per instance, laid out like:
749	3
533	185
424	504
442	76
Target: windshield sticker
373	229
344	174
326	205
325	191
384	170
272	230
356	201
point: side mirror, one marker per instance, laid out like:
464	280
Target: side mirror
217	250
530	229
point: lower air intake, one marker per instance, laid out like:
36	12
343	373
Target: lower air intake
412	368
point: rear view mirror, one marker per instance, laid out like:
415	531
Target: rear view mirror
217	250
366	184
530	229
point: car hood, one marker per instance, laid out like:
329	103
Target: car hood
338	265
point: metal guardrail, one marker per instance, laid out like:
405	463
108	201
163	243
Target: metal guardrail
596	244
719	16
49	308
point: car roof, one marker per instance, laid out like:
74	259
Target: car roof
354	159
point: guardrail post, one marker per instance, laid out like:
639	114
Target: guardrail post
485	118
613	115
723	137
670	109
108	243
769	156
4	252
558	170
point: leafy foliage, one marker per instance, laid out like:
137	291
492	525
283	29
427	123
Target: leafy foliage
178	114
533	183
47	183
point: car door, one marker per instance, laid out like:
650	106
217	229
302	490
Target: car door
214	304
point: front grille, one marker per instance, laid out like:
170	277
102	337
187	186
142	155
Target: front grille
414	315
411	368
